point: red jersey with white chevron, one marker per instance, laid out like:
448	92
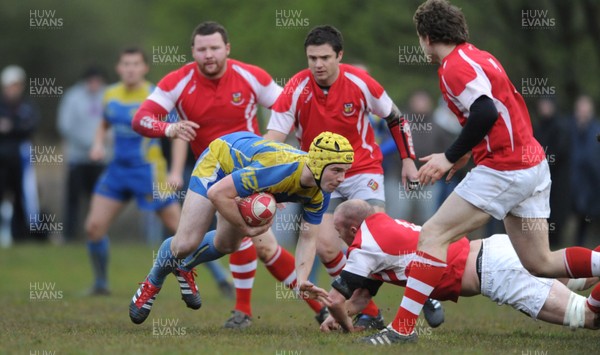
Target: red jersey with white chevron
220	106
468	73
343	110
383	248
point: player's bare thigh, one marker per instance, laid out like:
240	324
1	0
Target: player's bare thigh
103	211
196	216
529	237
453	219
228	237
470	285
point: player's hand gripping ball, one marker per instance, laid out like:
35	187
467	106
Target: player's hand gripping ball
258	209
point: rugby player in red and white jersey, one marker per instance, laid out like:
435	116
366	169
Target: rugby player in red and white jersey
216	95
511	180
330	96
381	250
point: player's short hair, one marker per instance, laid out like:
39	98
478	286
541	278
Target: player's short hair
325	34
442	22
208	28
134	50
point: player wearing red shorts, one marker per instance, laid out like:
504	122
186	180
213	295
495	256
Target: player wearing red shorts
381	250
511	180
216	95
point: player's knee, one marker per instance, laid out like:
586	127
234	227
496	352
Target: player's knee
265	251
537	268
227	246
430	234
93	229
182	248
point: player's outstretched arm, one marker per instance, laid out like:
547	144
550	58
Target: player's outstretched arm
147	121
305	256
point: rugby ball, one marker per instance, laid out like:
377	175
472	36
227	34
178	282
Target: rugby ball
258	209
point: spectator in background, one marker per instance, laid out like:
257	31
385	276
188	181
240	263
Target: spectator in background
18	119
79	114
585	165
549	131
417	205
445	131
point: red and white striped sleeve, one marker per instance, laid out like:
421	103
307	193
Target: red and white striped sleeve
148	119
283	113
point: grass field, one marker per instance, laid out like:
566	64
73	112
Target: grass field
43	310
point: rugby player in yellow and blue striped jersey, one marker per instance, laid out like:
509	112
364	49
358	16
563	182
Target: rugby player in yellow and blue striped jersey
238	165
138	169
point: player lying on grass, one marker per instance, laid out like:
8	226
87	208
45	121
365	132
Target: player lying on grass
381	248
238	165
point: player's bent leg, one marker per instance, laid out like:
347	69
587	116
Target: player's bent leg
103	211
196	217
197	214
564	307
455	217
529	237
452	220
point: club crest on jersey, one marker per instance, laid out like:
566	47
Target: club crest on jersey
348	109
236	99
373	185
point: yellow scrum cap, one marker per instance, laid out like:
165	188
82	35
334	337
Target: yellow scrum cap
328	148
